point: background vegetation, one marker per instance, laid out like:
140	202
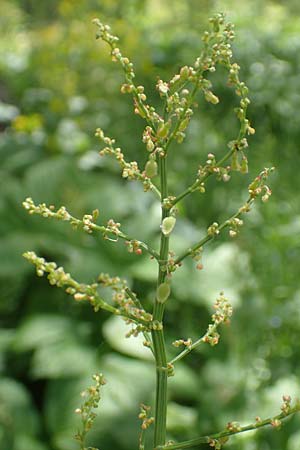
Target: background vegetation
57	85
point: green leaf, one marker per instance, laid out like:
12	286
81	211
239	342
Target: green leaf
114	331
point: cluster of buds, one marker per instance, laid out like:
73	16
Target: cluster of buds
104	34
197	257
258	186
211	167
133	246
223	312
118	287
130	170
276	423
286	405
163	88
211	337
91	398
213	229
112	227
126	304
58	277
215	443
234	226
172	266
136	330
210	97
149	139
239	161
139	97
187	343
88	221
235	427
144	416
46	211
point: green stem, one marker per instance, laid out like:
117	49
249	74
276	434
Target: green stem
209	237
157	333
190	348
225	433
200	180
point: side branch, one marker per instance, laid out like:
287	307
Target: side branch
87	224
198	183
87	292
215	440
222	314
214	230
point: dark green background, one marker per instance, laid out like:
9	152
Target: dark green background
57	84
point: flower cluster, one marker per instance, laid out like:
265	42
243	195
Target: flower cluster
234	226
86	411
130	170
46	211
223	312
87	223
233	426
286	405
187	343
144	416
258	186
197	257
125	300
133	246
58	277
215	443
138	92
213	229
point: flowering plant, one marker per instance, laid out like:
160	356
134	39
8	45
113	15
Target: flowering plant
163	130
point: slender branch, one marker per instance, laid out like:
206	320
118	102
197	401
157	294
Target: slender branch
273	421
127	66
216	232
182	115
200	180
86	223
191	347
80	291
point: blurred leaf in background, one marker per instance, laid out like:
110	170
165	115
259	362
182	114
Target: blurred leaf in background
57	84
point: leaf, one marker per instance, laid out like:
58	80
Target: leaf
181	418
42	330
114	331
17	411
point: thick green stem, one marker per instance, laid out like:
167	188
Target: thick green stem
273	421
157	332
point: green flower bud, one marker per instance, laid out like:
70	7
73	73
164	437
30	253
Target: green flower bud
151	168
184	72
244	165
211	98
163	130
184	124
163	292
167	225
234	162
150	145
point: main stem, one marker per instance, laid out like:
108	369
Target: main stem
158	334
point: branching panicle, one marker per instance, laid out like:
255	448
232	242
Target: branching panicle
86	411
162	130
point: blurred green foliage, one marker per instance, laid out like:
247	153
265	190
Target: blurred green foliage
57	85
